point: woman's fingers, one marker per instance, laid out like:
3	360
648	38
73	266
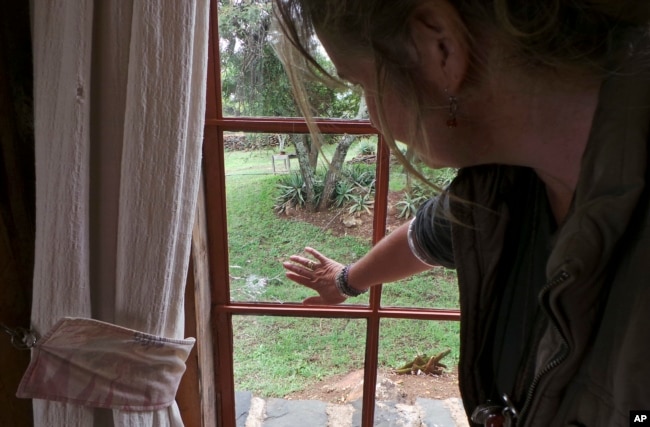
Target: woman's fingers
319	256
319	275
299	275
304	267
327	292
305	262
322	260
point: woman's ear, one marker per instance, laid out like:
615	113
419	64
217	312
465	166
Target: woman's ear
439	37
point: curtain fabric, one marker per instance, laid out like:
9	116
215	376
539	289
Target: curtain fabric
119	109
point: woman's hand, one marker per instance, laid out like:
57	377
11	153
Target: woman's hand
319	275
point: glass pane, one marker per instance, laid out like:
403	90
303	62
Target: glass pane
438	287
253	80
285	368
405	347
269	217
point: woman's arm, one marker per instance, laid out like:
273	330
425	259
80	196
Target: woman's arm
388	261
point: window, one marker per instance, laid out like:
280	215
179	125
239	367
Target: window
238	295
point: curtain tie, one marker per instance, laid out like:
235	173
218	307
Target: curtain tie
97	364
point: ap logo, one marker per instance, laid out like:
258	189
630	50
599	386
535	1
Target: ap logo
640	418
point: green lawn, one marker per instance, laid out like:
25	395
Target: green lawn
278	355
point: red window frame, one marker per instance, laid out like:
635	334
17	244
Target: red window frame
222	308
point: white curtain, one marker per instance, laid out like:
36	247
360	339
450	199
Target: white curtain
119	110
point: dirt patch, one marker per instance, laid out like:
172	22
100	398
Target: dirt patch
390	386
340	223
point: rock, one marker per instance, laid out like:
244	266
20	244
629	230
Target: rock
340	415
388	390
435	413
351	221
283	413
385	390
242	406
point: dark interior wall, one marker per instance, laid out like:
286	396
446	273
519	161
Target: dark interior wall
17	195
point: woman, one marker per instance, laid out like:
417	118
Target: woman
544	107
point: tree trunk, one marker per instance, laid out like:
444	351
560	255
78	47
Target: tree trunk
308	159
334	172
313	153
336	164
306	170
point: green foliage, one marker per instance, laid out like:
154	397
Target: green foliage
291	192
354	188
442	177
409	205
413	199
419	189
254	82
360	173
344	193
367	148
362	203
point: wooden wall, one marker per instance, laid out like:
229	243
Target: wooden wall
17	196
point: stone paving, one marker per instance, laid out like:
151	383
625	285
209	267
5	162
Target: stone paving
253	411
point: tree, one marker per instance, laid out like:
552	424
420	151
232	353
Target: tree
252	78
254	83
336	163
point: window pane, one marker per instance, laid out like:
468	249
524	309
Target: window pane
269	218
438	287
253	80
400	342
281	362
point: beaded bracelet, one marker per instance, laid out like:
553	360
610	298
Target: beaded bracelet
344	287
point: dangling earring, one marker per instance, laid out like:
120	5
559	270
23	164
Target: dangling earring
452	122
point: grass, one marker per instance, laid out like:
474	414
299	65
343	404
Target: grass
260	241
275	356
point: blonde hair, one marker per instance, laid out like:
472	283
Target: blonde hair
558	37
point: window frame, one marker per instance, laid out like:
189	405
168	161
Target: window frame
221	308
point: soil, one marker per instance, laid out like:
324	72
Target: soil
390	386
348	387
340	223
